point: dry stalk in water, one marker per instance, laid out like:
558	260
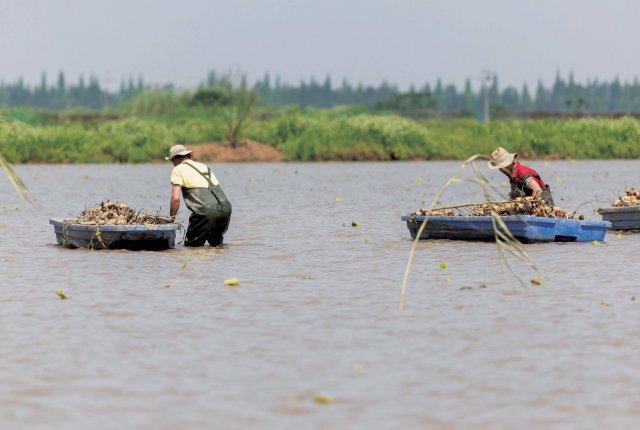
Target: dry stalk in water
506	243
17	183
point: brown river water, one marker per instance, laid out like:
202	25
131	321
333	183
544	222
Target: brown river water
154	340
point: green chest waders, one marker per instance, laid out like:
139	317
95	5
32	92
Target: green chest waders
524	191
211	212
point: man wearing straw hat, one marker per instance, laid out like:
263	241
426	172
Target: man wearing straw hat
211	210
524	180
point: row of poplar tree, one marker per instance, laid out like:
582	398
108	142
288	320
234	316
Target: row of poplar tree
564	96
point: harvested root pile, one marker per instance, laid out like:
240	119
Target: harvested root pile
114	213
631	199
518	206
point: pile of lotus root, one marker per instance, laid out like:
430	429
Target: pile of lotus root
631	199
518	206
114	213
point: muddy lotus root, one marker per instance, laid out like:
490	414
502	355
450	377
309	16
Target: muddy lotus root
114	213
632	198
518	206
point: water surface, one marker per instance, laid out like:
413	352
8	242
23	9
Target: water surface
153	340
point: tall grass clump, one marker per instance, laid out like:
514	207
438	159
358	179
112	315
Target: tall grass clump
359	137
586	138
126	141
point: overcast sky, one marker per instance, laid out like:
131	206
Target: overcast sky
403	41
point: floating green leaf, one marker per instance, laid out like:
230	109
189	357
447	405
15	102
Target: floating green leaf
232	282
323	399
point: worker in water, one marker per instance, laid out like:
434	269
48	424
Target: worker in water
211	210
524	180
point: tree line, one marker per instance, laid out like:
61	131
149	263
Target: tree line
564	96
60	94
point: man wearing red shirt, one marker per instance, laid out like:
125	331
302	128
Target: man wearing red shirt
524	180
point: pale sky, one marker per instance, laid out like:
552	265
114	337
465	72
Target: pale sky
403	41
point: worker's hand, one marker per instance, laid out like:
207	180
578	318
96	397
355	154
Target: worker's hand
536	193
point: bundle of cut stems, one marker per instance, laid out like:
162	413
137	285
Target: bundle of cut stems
114	213
517	206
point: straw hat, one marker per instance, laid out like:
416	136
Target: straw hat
177	150
501	158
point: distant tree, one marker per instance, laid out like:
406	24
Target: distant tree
450	98
558	94
540	102
212	79
469	98
494	92
212	98
43	82
635	95
232	99
526	103
614	95
572	88
438	95
324	92
510	98
61	82
409	103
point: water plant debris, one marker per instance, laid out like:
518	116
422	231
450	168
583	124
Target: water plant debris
632	198
232	282
323	399
114	213
518	206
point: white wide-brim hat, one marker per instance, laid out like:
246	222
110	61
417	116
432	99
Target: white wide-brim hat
501	158
177	150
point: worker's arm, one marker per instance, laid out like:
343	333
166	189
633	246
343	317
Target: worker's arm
176	190
533	185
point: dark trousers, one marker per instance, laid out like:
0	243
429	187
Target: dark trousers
206	229
211	213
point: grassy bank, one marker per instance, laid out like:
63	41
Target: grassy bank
311	135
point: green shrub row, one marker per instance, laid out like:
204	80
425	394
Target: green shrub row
311	135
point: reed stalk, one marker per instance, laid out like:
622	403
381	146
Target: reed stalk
17	183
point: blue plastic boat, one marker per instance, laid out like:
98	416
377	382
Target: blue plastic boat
525	228
134	237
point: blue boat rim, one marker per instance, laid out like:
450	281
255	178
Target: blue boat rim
112	227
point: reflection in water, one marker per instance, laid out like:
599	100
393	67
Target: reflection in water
156	340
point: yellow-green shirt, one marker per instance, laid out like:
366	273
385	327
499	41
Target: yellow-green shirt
185	177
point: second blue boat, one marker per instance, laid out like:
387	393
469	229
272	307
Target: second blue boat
525	228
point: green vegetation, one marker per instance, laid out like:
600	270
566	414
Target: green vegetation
347	133
141	124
